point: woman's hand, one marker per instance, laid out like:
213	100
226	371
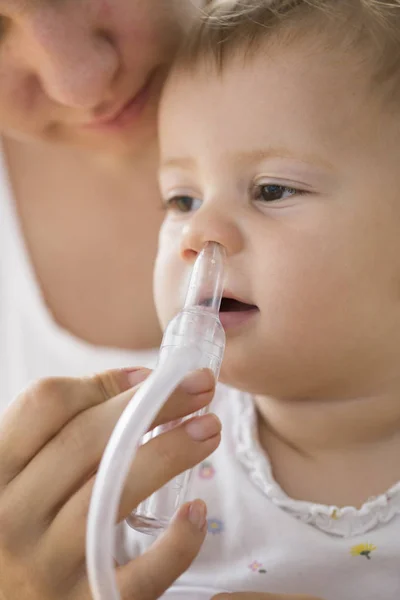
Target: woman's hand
258	596
51	442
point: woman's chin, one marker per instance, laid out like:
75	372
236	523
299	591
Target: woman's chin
122	142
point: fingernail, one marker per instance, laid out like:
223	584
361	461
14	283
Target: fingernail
198	514
136	375
198	382
203	428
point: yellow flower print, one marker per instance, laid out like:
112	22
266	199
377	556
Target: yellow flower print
363	550
215	526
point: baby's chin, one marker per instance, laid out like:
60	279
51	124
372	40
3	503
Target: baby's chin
245	378
263	374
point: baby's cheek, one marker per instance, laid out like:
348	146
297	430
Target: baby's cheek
169	279
162	289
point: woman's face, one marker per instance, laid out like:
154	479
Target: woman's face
87	72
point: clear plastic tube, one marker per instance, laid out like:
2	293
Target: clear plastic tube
197	325
194	339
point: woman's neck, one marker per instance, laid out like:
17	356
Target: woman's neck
91	229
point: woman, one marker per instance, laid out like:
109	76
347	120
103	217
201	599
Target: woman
79	217
79	210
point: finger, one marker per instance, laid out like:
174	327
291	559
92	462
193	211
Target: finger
150	575
71	458
40	412
195	392
168	454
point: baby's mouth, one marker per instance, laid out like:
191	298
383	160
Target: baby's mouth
229	304
234	305
233	312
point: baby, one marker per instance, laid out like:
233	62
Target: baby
280	139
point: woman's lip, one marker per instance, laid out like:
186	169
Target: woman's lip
128	113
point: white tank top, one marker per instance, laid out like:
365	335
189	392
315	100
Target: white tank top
32	345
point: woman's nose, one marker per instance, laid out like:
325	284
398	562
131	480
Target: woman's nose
210	225
75	64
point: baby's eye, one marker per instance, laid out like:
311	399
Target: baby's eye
183	204
272	192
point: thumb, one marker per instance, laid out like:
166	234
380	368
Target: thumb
111	383
150	575
45	407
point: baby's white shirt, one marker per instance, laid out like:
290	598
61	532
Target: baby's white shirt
261	540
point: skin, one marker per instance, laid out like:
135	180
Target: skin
320	259
61	66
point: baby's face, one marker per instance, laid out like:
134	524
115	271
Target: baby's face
290	164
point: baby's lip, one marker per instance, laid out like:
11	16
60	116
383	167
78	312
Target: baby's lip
232	297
